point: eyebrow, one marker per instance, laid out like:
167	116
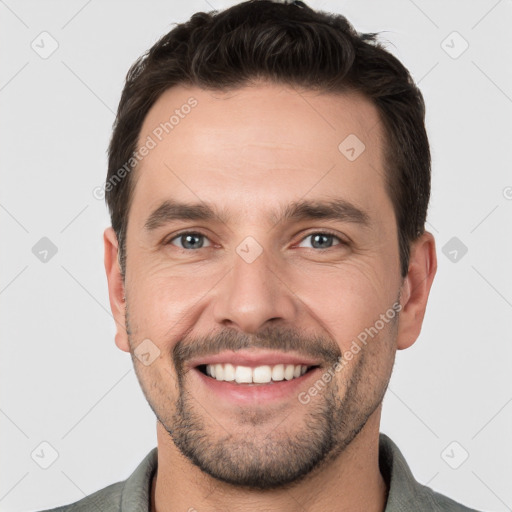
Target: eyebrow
335	209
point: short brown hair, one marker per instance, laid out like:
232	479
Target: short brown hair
289	44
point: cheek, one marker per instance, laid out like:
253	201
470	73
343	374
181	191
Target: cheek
344	300
168	299
159	303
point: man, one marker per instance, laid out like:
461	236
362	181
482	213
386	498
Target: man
268	185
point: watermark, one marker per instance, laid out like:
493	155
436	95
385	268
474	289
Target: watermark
454	249
151	142
455	455
147	352
249	249
44	455
454	45
44	45
44	250
352	147
304	397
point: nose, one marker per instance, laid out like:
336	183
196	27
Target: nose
254	293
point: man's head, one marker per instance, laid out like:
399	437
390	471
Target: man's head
274	211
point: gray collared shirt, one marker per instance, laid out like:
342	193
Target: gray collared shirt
405	493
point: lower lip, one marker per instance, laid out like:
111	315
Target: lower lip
254	393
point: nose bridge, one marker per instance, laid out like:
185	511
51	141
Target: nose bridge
253	292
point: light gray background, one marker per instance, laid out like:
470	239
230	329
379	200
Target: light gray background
64	382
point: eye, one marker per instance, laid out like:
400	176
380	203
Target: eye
323	240
190	240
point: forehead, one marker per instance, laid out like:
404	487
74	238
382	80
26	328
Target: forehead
267	142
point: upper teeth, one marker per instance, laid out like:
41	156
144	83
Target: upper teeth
259	374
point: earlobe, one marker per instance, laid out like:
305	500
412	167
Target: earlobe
116	289
416	288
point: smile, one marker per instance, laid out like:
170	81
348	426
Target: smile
264	374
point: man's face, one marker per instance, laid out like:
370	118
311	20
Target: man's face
268	289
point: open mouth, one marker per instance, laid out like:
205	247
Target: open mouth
264	374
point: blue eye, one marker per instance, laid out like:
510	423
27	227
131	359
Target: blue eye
190	240
323	239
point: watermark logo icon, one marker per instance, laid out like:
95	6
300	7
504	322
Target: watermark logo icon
249	249
352	147
454	45
454	249
45	45
44	455
44	250
454	455
147	352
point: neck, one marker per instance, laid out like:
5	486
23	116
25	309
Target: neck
351	481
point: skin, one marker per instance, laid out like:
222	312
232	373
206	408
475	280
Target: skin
250	151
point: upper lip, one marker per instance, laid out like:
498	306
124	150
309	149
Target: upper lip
254	358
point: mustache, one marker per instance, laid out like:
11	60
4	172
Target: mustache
281	338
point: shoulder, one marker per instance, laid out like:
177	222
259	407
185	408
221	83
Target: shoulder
130	494
404	492
107	499
440	502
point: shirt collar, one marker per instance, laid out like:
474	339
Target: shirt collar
137	488
402	487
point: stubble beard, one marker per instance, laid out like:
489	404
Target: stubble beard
281	457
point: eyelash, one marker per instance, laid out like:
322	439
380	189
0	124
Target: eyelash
199	233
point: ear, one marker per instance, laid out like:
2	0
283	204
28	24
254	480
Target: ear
416	288
115	288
